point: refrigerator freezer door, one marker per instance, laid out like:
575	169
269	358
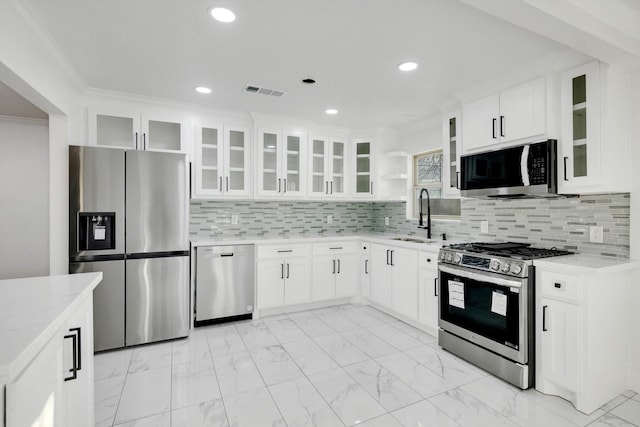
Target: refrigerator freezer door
96	184
108	303
157	299
157	202
224	281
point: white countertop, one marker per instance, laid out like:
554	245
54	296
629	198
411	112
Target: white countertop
32	310
594	263
433	244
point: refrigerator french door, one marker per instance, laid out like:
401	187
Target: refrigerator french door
128	217
157	248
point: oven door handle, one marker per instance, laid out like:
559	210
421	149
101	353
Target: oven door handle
499	281
524	166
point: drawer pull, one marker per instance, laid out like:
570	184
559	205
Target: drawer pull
557	285
285	251
338	247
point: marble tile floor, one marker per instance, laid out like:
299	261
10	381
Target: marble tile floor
336	366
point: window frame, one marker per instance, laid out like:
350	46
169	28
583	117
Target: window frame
416	187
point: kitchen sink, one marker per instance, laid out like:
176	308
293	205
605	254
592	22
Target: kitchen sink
411	240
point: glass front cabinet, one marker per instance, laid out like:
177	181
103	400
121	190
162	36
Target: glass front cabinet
221	161
327	166
451	133
133	130
363	169
281	166
579	162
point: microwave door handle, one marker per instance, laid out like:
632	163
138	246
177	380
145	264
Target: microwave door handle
524	166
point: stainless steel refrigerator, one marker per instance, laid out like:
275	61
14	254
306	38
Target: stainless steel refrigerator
128	217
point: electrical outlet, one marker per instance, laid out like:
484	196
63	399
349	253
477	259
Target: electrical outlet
329	219
234	219
484	226
596	234
386	220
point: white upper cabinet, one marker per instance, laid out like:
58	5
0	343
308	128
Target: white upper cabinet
327	164
281	163
137	131
451	140
513	114
363	169
221	161
594	146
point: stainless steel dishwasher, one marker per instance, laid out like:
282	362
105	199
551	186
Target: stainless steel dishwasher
225	283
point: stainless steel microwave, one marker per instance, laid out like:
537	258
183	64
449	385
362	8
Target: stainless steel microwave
528	170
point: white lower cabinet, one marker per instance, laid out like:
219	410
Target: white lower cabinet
394	282
428	289
56	388
283	273
582	322
365	269
335	270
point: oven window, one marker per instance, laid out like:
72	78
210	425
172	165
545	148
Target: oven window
483	308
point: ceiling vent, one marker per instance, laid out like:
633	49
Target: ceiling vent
264	91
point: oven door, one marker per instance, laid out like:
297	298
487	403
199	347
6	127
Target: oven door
485	308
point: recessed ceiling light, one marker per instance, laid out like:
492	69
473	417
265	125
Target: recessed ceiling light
202	89
331	111
407	66
221	14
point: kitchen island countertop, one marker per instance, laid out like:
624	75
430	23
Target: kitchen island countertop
32	310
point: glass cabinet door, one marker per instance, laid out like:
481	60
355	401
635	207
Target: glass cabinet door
162	136
209	160
292	165
269	180
236	178
363	175
579	164
117	129
319	183
451	127
337	183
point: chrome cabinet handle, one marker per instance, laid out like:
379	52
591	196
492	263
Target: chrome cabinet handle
331	192
565	168
287	270
136	140
282	271
326	187
501	125
76	342
334	266
338	266
493	128
279	187
544	318
392	258
144	141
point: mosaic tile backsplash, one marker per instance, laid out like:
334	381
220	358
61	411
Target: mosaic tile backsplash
563	223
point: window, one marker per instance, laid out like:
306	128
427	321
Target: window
427	173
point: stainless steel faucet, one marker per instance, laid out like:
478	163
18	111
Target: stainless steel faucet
420	223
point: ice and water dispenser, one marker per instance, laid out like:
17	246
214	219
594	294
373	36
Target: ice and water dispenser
96	231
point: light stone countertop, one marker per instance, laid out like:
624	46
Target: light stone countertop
581	262
433	244
32	310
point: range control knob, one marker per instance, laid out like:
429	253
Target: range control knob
516	268
449	257
495	265
442	255
505	268
457	258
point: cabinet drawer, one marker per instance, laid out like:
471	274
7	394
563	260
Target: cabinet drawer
281	251
558	285
335	248
428	260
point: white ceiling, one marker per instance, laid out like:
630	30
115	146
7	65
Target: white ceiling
164	48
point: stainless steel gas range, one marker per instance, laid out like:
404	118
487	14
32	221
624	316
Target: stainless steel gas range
486	306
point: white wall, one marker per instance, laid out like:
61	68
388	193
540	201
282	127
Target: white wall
634	132
24	197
